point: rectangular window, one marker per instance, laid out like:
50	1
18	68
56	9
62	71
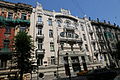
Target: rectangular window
91	37
39	31
40	44
94	46
23	16
84	37
52	47
10	15
8	29
82	27
59	23
51	33
39	19
86	46
22	28
50	22
52	60
69	35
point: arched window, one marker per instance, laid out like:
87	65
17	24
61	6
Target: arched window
67	23
59	23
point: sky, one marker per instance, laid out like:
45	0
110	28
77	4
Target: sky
108	10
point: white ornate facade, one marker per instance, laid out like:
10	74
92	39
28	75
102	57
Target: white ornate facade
58	35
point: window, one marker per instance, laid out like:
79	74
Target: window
86	47
82	27
39	31
52	60
50	22
10	15
23	16
62	46
40	61
59	23
76	24
84	37
67	23
91	36
40	44
89	27
52	46
94	46
39	19
51	33
80	47
8	29
22	28
70	35
113	45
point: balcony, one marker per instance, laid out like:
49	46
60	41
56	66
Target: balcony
93	41
71	40
40	53
72	53
40	23
69	27
99	33
8	21
40	36
104	50
101	41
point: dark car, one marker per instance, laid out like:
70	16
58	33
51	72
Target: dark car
101	74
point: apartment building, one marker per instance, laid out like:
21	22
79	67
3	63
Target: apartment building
107	36
13	18
60	38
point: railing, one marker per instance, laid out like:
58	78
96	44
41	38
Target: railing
41	36
40	51
69	27
90	31
93	40
13	21
71	39
40	23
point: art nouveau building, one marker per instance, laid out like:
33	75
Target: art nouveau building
60	38
107	36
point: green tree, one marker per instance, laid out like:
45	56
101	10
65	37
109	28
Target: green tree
23	47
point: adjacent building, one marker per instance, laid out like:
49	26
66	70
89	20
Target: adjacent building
107	36
13	18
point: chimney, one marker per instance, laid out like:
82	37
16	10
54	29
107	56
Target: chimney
90	18
108	22
114	24
104	21
97	19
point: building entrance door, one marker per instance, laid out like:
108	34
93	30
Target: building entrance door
75	64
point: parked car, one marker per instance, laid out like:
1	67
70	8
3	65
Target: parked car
101	74
117	77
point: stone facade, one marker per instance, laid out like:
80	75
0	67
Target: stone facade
13	18
60	38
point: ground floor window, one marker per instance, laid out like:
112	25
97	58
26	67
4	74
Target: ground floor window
52	60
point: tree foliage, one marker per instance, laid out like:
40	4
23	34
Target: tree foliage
23	47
